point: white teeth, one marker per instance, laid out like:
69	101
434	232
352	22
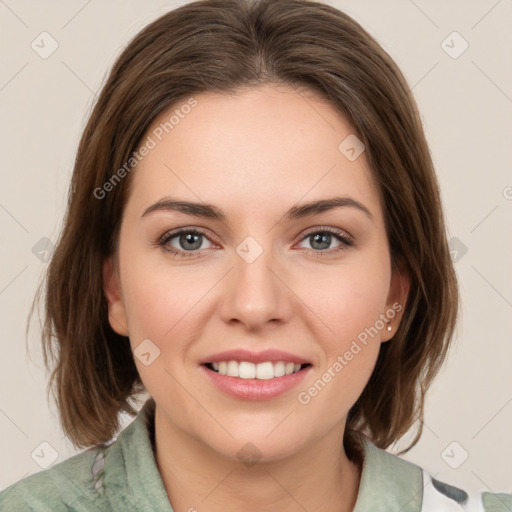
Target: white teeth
289	368
263	371
279	369
246	370
232	370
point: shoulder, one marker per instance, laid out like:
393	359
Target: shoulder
441	496
119	475
70	485
387	478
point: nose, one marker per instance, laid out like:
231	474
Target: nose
256	292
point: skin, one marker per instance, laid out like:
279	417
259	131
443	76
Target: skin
254	154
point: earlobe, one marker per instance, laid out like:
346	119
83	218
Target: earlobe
395	303
116	309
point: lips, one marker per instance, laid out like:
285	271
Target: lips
249	375
269	355
254	388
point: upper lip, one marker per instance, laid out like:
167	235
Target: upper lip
243	354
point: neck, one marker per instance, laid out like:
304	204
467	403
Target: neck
196	477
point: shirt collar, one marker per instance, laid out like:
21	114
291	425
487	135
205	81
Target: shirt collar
133	482
387	480
131	478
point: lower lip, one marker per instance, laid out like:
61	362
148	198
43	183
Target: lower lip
255	389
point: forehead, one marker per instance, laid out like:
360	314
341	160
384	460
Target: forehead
251	149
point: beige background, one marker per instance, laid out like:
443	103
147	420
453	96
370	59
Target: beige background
466	106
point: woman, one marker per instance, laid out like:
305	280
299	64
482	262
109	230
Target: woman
277	372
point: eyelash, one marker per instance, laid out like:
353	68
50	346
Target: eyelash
162	242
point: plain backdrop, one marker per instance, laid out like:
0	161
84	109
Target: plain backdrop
457	58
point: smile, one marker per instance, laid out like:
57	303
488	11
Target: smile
247	370
250	381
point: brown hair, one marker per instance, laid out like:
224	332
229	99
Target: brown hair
222	46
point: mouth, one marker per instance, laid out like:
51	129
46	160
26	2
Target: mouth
261	371
249	375
244	380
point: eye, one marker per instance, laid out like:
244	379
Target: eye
189	242
321	239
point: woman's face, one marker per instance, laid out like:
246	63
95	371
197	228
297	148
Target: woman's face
272	274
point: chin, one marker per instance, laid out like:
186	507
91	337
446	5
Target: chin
256	445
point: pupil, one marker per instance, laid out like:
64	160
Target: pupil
324	237
190	238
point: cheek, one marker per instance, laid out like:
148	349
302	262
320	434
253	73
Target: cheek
158	306
349	336
346	300
162	310
164	301
166	305
349	302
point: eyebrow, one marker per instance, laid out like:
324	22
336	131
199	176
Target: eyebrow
211	211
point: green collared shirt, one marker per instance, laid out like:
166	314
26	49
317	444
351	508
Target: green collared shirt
123	477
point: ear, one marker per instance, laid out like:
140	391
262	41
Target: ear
395	303
112	289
